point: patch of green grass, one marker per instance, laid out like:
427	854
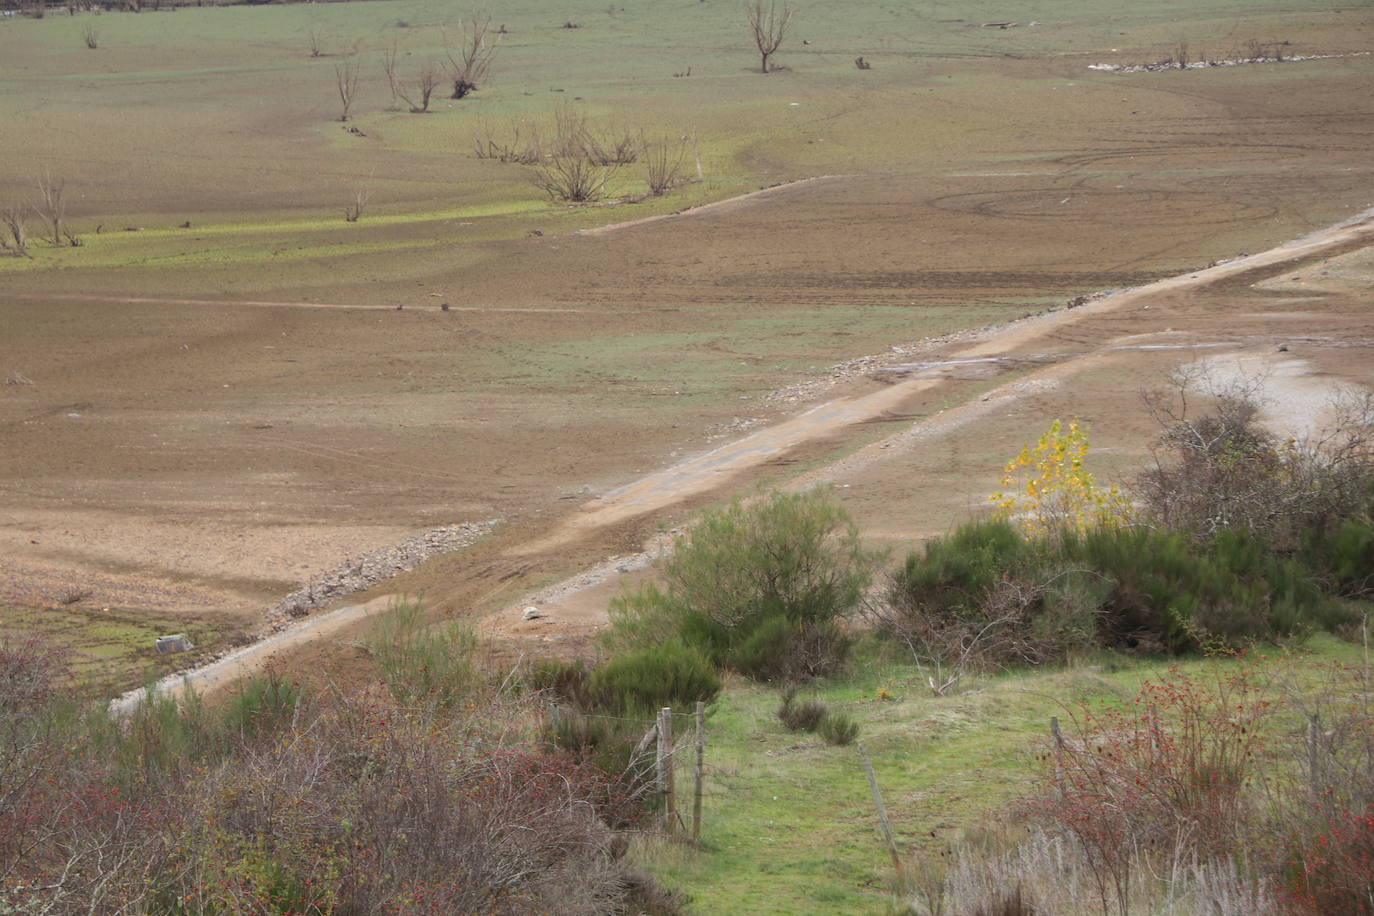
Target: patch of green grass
789	823
109	650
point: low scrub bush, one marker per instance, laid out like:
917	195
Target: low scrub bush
805	716
758	587
838	728
567	681
423	664
988	596
617	748
1247	791
359	805
1343	558
641	682
262	705
1221	469
1172	594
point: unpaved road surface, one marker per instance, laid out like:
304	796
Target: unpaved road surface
574	608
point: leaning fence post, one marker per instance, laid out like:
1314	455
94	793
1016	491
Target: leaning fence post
1314	767
665	767
700	717
1058	754
882	812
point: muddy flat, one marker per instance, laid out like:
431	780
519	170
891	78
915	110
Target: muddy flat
228	390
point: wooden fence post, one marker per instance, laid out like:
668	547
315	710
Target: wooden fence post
882	812
665	768
700	771
1058	754
1315	769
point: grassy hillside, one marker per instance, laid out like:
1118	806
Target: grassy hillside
789	823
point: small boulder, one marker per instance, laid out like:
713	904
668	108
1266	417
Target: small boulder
166	645
533	613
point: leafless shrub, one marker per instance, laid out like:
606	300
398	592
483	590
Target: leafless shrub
417	93
52	206
14	236
1029	619
768	21
389	64
468	67
354	211
615	146
90	35
520	143
1181	57
314	39
663	164
1222	469
346	82
572	178
579	164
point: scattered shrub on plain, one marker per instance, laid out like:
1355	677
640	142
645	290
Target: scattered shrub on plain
262	705
757	587
838	728
805	716
423	664
1221	469
1060	493
642	682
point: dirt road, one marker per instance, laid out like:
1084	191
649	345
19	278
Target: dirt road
1035	346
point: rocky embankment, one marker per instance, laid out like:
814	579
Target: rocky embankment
357	573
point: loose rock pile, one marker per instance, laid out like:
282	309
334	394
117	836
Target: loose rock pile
356	574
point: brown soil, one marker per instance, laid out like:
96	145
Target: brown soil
204	438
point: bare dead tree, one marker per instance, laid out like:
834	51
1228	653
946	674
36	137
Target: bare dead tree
354	211
346	81
768	21
15	237
314	37
51	205
389	57
91	35
663	164
525	144
424	84
572	177
470	61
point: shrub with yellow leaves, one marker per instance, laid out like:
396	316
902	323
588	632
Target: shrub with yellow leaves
1047	488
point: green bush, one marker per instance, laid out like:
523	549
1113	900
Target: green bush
566	681
1184	595
805	716
986	597
778	649
670	674
838	728
1343	558
262	705
423	664
953	576
756	587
